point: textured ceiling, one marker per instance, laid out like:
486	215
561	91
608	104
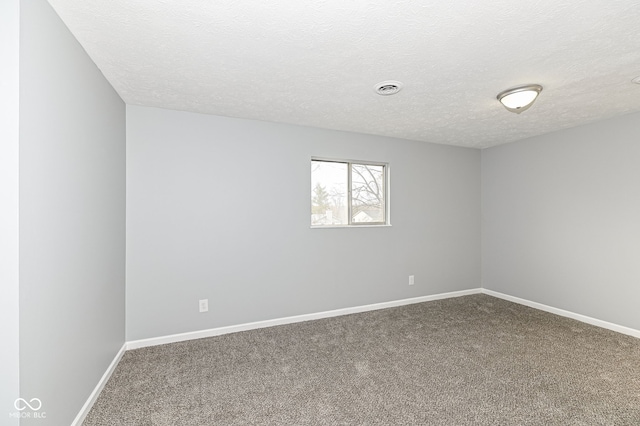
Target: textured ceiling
315	63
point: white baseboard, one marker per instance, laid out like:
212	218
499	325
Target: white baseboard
103	381
135	344
562	312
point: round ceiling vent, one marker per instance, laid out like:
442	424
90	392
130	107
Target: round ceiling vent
389	87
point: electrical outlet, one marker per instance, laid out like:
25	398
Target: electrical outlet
411	280
204	305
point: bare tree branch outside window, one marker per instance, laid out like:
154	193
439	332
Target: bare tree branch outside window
330	193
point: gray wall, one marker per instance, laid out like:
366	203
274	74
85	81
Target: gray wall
561	220
72	217
219	208
9	312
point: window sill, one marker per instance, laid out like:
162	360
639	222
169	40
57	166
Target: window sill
350	226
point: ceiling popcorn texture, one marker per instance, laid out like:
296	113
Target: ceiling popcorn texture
317	63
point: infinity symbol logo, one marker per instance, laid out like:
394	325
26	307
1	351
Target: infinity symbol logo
35	407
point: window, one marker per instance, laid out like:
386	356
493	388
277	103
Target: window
347	193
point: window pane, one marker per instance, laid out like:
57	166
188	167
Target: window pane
367	193
329	193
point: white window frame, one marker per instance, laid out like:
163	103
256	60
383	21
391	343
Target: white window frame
387	191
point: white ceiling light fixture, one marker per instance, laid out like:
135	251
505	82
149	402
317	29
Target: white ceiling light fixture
519	98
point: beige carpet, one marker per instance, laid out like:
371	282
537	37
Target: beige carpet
473	360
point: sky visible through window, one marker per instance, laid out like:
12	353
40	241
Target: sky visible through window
329	193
